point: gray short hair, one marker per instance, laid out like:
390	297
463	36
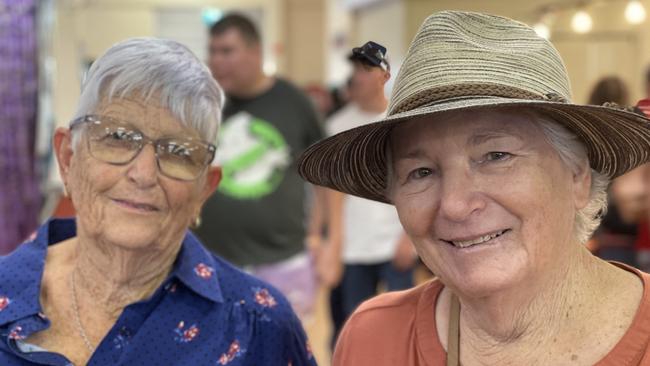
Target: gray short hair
573	153
156	68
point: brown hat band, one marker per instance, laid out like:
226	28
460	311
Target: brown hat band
444	93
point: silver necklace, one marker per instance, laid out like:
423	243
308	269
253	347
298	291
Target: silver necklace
75	308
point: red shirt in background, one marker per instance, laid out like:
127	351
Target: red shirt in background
64	208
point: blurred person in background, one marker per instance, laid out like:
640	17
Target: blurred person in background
610	89
321	97
258	218
642	245
366	244
615	238
498	178
127	283
340	96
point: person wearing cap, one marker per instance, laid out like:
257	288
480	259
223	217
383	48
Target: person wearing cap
367	244
499	180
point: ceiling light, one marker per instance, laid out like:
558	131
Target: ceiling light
635	12
581	22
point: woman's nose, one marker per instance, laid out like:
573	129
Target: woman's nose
459	196
143	170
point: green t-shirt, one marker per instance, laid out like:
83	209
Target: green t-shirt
257	215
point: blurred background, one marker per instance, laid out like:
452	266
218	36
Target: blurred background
46	46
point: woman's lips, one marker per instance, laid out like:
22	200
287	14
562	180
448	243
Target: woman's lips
134	205
477	240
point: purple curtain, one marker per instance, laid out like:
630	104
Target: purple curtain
19	186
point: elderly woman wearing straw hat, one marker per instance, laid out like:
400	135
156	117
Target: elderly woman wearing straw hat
499	180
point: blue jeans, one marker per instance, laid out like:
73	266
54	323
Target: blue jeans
360	282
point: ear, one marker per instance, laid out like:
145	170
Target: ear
63	151
386	76
582	185
212	182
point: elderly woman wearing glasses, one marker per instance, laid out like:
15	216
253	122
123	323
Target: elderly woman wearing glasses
127	283
499	180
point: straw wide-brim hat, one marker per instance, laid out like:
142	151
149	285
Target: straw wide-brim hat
459	61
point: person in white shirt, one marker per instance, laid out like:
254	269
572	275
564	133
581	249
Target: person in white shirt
366	243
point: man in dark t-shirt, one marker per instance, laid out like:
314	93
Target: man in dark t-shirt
257	217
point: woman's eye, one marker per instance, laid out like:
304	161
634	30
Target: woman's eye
178	150
420	173
497	156
122	135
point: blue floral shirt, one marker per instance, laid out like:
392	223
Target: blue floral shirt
206	313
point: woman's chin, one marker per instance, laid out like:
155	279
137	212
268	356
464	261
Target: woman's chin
132	237
130	230
482	281
482	288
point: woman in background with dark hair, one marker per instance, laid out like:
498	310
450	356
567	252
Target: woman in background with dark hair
615	238
610	89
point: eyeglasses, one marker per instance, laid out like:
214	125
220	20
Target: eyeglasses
117	142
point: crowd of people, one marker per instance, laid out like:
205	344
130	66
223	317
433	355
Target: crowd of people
209	246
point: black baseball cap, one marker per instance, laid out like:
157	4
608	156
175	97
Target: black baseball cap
371	53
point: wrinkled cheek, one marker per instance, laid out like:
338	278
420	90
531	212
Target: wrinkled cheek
416	216
184	209
547	234
85	199
181	217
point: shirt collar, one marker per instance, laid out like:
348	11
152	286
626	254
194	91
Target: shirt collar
20	295
198	269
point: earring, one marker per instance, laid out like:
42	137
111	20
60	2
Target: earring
196	222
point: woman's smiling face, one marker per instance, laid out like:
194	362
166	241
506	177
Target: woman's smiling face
134	205
487	201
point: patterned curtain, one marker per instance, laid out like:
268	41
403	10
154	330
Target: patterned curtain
19	185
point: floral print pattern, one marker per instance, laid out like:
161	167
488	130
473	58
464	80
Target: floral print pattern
122	339
264	298
4	302
204	271
185	335
234	351
16	333
205	313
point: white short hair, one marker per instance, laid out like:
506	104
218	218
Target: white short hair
156	68
573	153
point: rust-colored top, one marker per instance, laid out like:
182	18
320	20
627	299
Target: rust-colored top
399	328
64	208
